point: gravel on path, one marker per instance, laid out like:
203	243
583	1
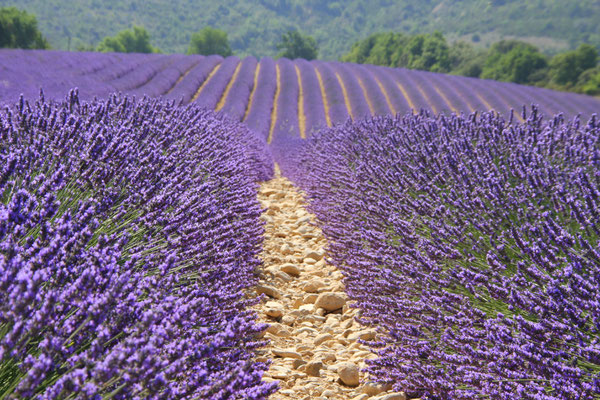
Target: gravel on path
314	339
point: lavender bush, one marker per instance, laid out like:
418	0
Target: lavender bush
473	244
128	233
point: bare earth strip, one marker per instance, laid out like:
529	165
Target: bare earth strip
313	335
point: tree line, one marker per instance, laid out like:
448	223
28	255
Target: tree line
506	60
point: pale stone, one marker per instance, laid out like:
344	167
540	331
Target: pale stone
342	341
286	353
332	320
322	338
298	302
273	309
347	324
337	275
307	307
267	218
315	271
310	298
325	357
286	249
269	291
279	372
290	269
364	335
303	348
306	329
313	286
278	330
268	191
361	397
297	363
309	261
288	320
328	393
315	255
313	368
391	396
303	220
348	373
374	388
331	301
304	229
283	276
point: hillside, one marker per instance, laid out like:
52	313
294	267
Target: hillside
254	26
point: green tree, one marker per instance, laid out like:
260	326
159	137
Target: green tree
295	45
19	29
466	60
136	40
515	61
429	52
565	68
589	82
210	41
377	49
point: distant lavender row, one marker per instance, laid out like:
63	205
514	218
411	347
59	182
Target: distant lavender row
261	103
191	82
338	112
128	234
238	97
159	84
213	89
314	109
358	103
286	121
472	244
376	97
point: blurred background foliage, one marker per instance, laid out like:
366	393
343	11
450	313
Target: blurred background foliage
254	26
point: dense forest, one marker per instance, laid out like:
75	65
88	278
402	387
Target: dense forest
255	26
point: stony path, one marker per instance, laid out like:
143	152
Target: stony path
313	335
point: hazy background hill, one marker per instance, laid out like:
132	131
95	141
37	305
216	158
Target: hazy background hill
254	26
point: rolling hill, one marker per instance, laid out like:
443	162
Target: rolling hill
255	26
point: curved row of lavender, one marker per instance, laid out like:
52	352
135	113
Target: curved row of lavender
129	232
345	90
472	243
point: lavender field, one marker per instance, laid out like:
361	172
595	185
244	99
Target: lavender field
465	222
280	99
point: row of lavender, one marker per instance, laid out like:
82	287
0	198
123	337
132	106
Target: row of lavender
128	234
330	92
473	243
